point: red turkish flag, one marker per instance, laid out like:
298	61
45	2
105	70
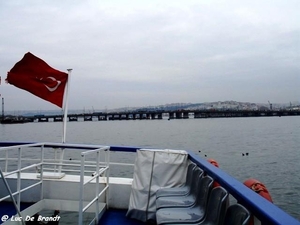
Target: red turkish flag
36	76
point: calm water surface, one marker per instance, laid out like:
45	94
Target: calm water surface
272	144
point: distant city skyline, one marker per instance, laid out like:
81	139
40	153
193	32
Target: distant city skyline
137	53
189	106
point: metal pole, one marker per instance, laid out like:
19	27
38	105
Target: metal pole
97	186
107	156
19	177
11	196
81	188
6	161
66	97
41	173
65	108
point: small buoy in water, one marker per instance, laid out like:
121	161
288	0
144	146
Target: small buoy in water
199	150
243	154
247	153
70	158
205	155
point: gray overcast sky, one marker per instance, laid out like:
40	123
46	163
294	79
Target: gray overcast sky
141	53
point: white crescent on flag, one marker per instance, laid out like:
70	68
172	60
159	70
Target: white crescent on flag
51	89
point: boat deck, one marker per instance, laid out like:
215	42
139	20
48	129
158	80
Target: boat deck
111	216
7	208
52	193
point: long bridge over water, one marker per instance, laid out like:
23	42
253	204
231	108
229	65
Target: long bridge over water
159	115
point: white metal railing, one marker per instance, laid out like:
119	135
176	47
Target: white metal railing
97	174
18	171
97	168
55	163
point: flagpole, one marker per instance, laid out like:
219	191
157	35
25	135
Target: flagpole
66	97
65	109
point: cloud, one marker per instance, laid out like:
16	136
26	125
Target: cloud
141	53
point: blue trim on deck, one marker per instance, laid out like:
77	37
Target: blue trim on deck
7	208
117	217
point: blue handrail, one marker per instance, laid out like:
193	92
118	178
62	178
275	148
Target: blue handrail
264	210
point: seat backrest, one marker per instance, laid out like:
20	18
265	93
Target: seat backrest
216	206
197	174
189	174
237	215
204	188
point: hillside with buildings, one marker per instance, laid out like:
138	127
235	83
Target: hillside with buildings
219	105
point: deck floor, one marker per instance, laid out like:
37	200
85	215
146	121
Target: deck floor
7	208
111	216
117	217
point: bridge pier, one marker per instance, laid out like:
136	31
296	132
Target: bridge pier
123	117
200	115
73	118
141	116
160	116
178	115
115	117
185	115
43	119
148	116
156	116
102	117
87	118
171	115
58	119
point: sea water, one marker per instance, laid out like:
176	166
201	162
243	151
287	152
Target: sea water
264	148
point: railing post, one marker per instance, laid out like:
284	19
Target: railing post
19	177
41	173
11	196
55	158
97	186
61	159
6	161
107	156
81	187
